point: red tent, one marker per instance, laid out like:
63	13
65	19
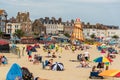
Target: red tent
4	46
3	42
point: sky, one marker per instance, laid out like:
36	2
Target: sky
106	12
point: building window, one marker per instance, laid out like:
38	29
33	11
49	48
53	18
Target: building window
87	34
9	31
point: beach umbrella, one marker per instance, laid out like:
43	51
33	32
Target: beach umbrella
110	73
57	67
102	59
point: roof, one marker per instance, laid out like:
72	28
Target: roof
1	12
61	36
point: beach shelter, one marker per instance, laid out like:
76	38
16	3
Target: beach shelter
4	46
110	73
58	66
14	72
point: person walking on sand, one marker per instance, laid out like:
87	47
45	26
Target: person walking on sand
29	55
73	49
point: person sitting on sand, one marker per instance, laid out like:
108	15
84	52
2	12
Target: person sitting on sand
84	63
4	60
53	55
48	63
66	47
94	69
36	61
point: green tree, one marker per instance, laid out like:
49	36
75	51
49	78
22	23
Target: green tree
19	33
115	36
67	35
92	36
1	33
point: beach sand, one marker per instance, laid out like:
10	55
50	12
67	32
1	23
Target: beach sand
71	72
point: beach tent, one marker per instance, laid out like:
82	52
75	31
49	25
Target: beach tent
14	72
4	46
57	67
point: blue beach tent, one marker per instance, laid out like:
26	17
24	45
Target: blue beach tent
14	72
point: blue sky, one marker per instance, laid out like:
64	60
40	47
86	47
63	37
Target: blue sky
94	11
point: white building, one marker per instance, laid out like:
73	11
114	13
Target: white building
3	19
102	33
112	32
100	30
54	28
12	27
97	32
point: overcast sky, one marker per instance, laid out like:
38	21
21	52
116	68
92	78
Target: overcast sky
94	11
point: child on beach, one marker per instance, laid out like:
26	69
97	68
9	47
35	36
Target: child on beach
49	52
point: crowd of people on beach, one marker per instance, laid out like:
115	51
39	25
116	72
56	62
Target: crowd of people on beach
52	53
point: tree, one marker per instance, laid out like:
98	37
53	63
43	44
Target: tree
67	35
19	33
115	36
92	36
1	33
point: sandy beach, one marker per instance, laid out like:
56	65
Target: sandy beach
71	71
